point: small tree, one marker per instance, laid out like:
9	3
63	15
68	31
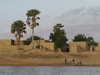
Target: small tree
35	38
58	37
18	28
79	37
91	41
31	21
82	37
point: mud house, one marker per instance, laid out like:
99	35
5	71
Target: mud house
7	44
23	44
46	45
97	48
82	46
78	47
43	44
7	41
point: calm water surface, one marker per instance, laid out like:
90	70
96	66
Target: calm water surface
48	70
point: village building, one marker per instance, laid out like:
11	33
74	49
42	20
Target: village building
78	47
73	47
23	44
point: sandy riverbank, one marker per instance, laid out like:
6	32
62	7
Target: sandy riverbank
46	58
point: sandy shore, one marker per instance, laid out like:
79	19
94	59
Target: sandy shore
39	62
39	58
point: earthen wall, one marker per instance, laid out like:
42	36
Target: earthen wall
78	46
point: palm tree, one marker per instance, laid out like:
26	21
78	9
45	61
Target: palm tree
31	21
17	28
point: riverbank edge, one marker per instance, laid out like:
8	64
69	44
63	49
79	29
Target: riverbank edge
28	64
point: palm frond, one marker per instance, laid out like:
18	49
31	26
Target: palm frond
37	17
37	24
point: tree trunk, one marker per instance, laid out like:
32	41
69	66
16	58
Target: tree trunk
33	20
18	39
33	38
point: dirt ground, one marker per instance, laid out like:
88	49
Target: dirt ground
37	57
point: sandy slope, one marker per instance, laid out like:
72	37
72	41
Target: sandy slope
40	57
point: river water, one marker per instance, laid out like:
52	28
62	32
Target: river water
49	70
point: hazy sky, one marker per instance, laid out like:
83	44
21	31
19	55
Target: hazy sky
77	16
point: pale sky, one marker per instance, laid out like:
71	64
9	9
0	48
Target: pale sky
77	16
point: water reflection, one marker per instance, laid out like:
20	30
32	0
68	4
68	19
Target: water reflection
48	70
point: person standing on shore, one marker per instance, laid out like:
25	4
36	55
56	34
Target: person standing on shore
73	61
65	61
81	62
